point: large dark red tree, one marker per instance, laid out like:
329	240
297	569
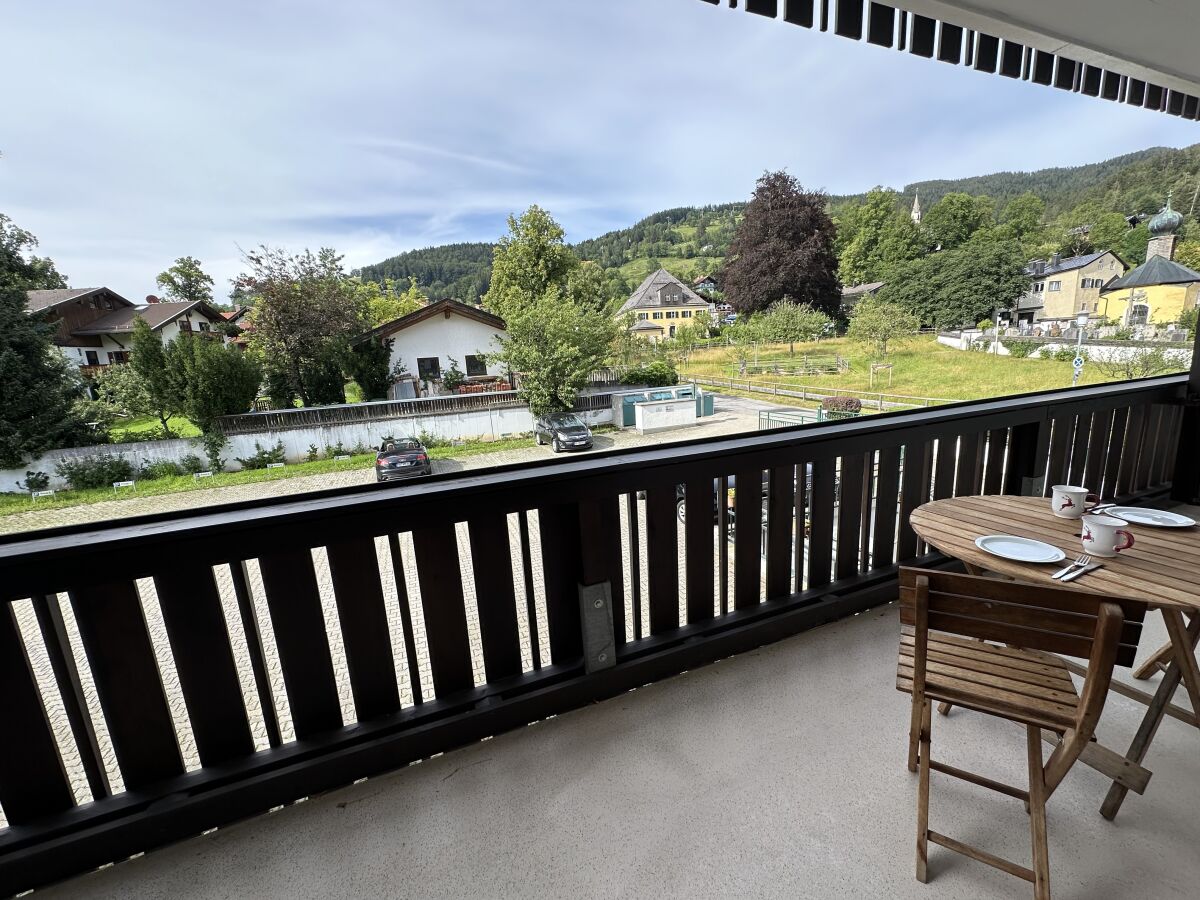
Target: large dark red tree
783	249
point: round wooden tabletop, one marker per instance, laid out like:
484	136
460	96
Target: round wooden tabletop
1162	568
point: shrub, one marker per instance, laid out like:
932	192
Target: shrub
313	453
35	481
1020	349
96	471
334	450
163	468
1123	334
262	456
213	442
1065	354
453	378
360	449
657	374
191	464
841	407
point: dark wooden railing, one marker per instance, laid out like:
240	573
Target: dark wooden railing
169	674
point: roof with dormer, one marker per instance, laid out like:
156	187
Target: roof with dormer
646	294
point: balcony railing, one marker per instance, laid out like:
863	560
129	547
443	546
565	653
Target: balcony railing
306	643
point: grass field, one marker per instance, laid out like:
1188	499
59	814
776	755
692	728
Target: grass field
137	429
11	504
922	368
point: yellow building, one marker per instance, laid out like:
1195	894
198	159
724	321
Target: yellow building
661	305
1158	291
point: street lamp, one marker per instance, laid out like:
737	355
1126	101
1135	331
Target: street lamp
1081	321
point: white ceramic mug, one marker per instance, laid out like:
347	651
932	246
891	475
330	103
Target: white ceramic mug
1070	502
1105	535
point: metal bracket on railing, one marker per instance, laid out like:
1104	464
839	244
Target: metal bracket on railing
596	620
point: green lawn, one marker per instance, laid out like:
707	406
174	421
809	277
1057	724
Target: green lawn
10	504
137	429
922	368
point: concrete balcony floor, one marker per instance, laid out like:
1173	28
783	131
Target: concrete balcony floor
778	773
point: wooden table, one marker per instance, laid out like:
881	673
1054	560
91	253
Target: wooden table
1161	569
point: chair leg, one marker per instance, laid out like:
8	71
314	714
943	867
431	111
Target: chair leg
1157	660
1037	816
944	707
914	732
923	795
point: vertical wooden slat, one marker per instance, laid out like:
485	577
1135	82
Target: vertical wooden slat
1116	446
212	692
969	474
914	491
699	521
781	520
993	477
1028	450
256	651
887	507
1171	441
800	505
1135	425
299	627
943	477
747	540
723	541
1093	473
600	544
851	505
358	592
491	566
70	689
1060	447
1079	449
406	625
1150	448
33	782
561	563
113	630
662	558
635	567
820	541
444	608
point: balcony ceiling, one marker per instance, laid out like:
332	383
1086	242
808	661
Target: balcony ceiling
1154	40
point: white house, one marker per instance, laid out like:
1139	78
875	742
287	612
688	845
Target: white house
424	342
95	325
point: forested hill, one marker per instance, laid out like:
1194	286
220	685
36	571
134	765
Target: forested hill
693	240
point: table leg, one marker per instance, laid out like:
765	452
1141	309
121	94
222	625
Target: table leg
1153	718
1159	658
1185	656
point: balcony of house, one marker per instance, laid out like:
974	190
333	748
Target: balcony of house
255	683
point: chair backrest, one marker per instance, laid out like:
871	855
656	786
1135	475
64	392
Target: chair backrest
1030	616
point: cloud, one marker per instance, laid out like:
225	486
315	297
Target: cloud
143	131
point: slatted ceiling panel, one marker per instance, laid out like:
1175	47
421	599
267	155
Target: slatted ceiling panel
950	44
366	634
1191	107
902	32
1155	97
699	501
1043	67
1092	79
1135	92
850	519
1100	442
1064	74
944	465
747	544
781	520
1110	86
200	646
112	629
662	558
987	53
799	12
57	647
993	474
887	507
824	15
849	19
914	491
33	782
881	24
298	624
1012	60
560	564
924	31
763	7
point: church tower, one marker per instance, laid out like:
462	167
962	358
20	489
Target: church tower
916	210
1163	232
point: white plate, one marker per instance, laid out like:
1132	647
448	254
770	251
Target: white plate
1138	515
1019	549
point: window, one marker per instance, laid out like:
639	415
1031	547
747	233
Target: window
428	368
92	358
1096	306
1139	314
1086	283
642	317
185	325
1039	287
671	331
672	314
118	356
1056	285
476	365
204	326
687	313
658	315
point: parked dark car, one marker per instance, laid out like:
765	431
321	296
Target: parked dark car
405	458
563	431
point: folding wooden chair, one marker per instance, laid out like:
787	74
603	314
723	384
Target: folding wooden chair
945	619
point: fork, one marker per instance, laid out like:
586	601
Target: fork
1084	559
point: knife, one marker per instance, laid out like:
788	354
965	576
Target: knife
1061	572
1093	567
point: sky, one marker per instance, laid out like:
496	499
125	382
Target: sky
138	132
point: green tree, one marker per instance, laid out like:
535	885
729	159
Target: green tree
149	359
211	379
305	313
1133	247
792	323
877	235
124	390
530	261
186	281
1024	216
784	248
1187	253
953	219
369	362
960	287
386	302
1108	232
881	325
20	268
586	287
